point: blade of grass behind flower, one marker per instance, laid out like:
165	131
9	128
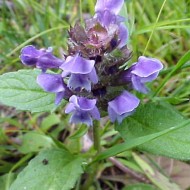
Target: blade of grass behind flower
136	142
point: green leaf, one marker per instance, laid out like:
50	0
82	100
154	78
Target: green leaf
134	142
54	169
130	164
20	90
153	118
49	121
139	186
80	132
34	142
3	181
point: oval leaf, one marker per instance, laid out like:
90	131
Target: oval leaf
53	169
20	90
34	142
153	118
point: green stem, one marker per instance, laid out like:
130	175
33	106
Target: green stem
90	177
97	147
96	137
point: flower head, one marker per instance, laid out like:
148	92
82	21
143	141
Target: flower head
92	78
83	110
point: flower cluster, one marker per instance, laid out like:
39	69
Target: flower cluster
91	78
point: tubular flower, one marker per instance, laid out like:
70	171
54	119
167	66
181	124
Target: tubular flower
145	70
91	77
113	6
82	72
42	59
107	14
122	106
83	110
53	83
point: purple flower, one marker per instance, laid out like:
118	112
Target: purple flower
145	70
83	81
106	14
42	59
83	110
113	6
54	83
123	35
81	71
78	65
122	106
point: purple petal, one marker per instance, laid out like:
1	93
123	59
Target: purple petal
147	66
29	55
70	108
121	117
120	19
74	100
81	117
106	18
43	59
122	106
138	85
149	78
93	76
112	5
83	103
86	104
31	51
112	114
82	109
95	113
51	82
124	103
27	60
123	35
78	65
79	81
65	74
47	60
59	97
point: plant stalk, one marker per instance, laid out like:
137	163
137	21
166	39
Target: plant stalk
96	137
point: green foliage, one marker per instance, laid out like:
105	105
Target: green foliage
19	89
51	169
80	132
49	121
153	118
134	142
3	180
140	186
34	142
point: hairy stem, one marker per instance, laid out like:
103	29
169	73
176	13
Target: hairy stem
96	137
97	147
90	178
